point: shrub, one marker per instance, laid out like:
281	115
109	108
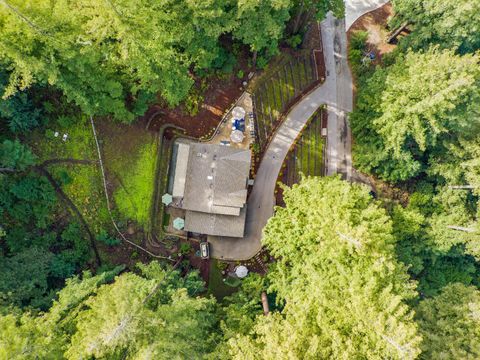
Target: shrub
104	238
185	248
294	41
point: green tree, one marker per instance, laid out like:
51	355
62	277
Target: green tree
155	314
435	255
144	317
26	337
414	110
451	24
450	323
15	156
344	292
24	278
260	24
101	54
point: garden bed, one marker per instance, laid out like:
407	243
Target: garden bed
306	155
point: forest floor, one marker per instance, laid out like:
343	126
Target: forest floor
216	94
376	24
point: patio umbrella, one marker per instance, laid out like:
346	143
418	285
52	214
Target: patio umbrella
167	199
237	136
241	271
178	223
238	112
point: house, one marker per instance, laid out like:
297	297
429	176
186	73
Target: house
210	184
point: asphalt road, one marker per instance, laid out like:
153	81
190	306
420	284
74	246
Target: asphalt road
337	93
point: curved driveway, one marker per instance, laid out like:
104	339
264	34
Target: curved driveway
336	93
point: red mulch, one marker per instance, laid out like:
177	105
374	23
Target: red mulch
220	95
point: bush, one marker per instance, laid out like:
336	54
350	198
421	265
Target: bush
262	62
294	41
193	102
357	49
232	281
185	248
222	265
104	238
240	74
358	40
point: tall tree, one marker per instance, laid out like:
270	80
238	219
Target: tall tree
15	156
344	292
453	24
450	323
260	24
101	53
421	104
155	314
151	316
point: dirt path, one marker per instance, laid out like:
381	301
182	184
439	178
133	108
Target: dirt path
42	171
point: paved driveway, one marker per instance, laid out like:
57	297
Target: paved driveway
336	92
356	8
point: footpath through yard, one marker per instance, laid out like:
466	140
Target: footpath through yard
337	93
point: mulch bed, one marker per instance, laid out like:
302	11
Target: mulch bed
220	95
376	18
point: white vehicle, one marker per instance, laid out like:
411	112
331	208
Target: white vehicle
204	250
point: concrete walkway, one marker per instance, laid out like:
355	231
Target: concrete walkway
356	8
336	92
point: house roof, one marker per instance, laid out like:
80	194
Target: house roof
216	179
216	224
181	162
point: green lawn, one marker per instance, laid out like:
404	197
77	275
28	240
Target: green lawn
130	152
134	194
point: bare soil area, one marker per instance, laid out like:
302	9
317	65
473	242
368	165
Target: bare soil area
376	24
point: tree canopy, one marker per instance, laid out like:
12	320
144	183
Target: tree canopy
453	24
450	323
113	57
344	292
154	314
408	114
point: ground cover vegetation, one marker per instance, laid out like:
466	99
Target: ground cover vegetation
306	155
278	87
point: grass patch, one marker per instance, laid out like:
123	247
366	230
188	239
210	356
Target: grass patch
134	193
129	157
82	183
216	285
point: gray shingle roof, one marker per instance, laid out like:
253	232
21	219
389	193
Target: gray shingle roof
216	224
216	179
